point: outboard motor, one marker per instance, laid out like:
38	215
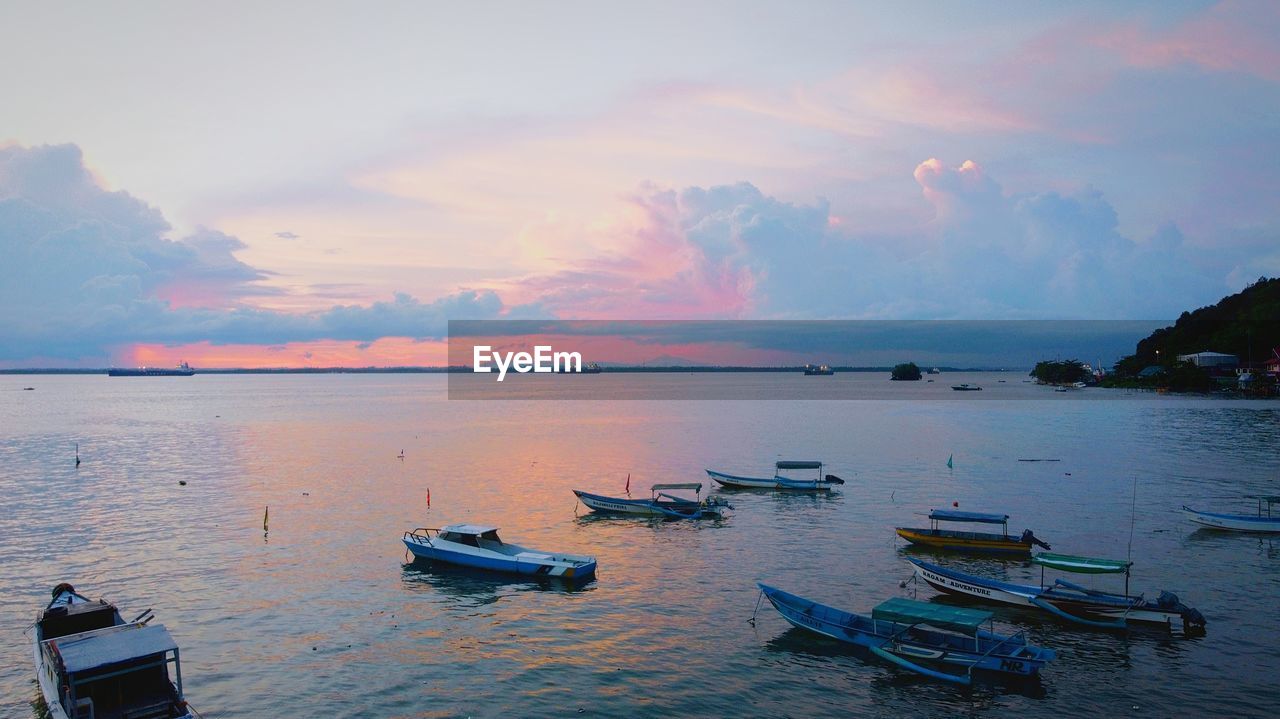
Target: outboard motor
831	478
1029	538
1192	619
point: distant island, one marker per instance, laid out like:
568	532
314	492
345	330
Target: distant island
464	369
905	372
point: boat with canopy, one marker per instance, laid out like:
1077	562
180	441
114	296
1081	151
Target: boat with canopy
90	662
1068	600
1264	521
818	483
934	640
981	542
660	504
474	545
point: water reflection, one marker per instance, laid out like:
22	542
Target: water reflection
476	587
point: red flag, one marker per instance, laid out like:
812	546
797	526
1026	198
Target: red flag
428	499
628	484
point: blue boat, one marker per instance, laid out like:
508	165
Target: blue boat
1260	522
472	545
660	504
952	650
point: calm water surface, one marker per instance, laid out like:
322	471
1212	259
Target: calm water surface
325	617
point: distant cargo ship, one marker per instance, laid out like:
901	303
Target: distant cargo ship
820	370
182	370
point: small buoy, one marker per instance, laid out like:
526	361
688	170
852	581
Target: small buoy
306	494
902	584
955	504
182	482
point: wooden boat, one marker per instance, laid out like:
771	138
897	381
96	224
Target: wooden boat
1261	522
1067	600
660	504
817	484
90	662
472	545
966	387
952	650
979	542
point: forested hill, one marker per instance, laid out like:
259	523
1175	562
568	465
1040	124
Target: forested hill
1244	324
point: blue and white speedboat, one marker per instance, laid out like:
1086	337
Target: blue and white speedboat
1262	523
952	649
473	545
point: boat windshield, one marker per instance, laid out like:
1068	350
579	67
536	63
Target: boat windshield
491	536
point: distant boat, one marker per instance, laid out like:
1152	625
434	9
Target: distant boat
978	542
478	546
819	483
954	648
966	387
90	662
818	371
660	504
1260	522
182	370
935	370
588	368
1067	600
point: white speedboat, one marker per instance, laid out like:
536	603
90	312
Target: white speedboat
472	545
1263	521
90	662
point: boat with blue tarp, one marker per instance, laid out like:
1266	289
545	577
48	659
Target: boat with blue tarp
981	542
1068	600
474	545
660	504
818	483
1263	522
934	640
90	662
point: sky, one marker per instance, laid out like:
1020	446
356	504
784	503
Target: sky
330	183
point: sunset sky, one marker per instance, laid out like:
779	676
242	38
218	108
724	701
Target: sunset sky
328	184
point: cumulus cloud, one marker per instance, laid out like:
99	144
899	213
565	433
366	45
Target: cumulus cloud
83	269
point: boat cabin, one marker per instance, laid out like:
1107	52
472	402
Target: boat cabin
953	515
1082	565
116	672
785	464
660	489
910	612
472	535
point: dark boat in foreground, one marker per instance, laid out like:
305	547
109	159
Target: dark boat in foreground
90	662
952	650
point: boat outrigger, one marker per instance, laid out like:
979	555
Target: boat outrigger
660	504
952	650
981	542
1067	600
819	483
1264	522
472	545
90	662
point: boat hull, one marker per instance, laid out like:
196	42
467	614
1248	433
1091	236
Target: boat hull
1097	608
523	561
784	483
1008	656
1234	522
974	542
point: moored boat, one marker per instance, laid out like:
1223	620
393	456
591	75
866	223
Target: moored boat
90	662
1067	600
952	649
182	370
819	483
966	387
1263	521
660	503
979	542
472	545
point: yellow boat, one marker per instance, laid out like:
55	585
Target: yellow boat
978	542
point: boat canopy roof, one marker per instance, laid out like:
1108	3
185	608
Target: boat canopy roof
790	464
469	528
697	486
129	641
909	611
951	515
1081	565
1269	499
